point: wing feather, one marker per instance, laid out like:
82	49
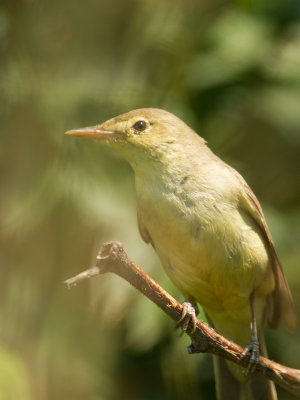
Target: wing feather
144	232
282	302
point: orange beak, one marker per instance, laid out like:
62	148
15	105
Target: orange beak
94	132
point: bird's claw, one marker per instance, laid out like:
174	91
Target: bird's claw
253	350
188	316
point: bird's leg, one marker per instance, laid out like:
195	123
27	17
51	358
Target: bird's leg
189	314
253	347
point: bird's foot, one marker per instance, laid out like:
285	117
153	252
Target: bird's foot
189	315
251	350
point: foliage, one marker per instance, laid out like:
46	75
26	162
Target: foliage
229	69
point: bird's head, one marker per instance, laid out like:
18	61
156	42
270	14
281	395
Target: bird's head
142	134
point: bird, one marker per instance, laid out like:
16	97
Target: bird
210	234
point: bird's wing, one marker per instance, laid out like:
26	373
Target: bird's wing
144	232
282	302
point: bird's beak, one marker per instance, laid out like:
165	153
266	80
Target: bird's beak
94	132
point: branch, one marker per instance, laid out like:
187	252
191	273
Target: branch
113	258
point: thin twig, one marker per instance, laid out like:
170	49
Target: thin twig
113	258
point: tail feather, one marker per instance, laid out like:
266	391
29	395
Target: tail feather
257	387
227	387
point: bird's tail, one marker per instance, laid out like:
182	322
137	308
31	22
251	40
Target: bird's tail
256	387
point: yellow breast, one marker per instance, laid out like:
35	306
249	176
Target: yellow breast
208	250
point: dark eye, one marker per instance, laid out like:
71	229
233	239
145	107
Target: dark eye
140	126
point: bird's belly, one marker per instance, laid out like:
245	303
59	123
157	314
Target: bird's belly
219	263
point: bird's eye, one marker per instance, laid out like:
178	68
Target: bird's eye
140	126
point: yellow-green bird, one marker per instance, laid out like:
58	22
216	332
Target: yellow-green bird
209	232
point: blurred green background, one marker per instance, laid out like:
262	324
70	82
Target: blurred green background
231	70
